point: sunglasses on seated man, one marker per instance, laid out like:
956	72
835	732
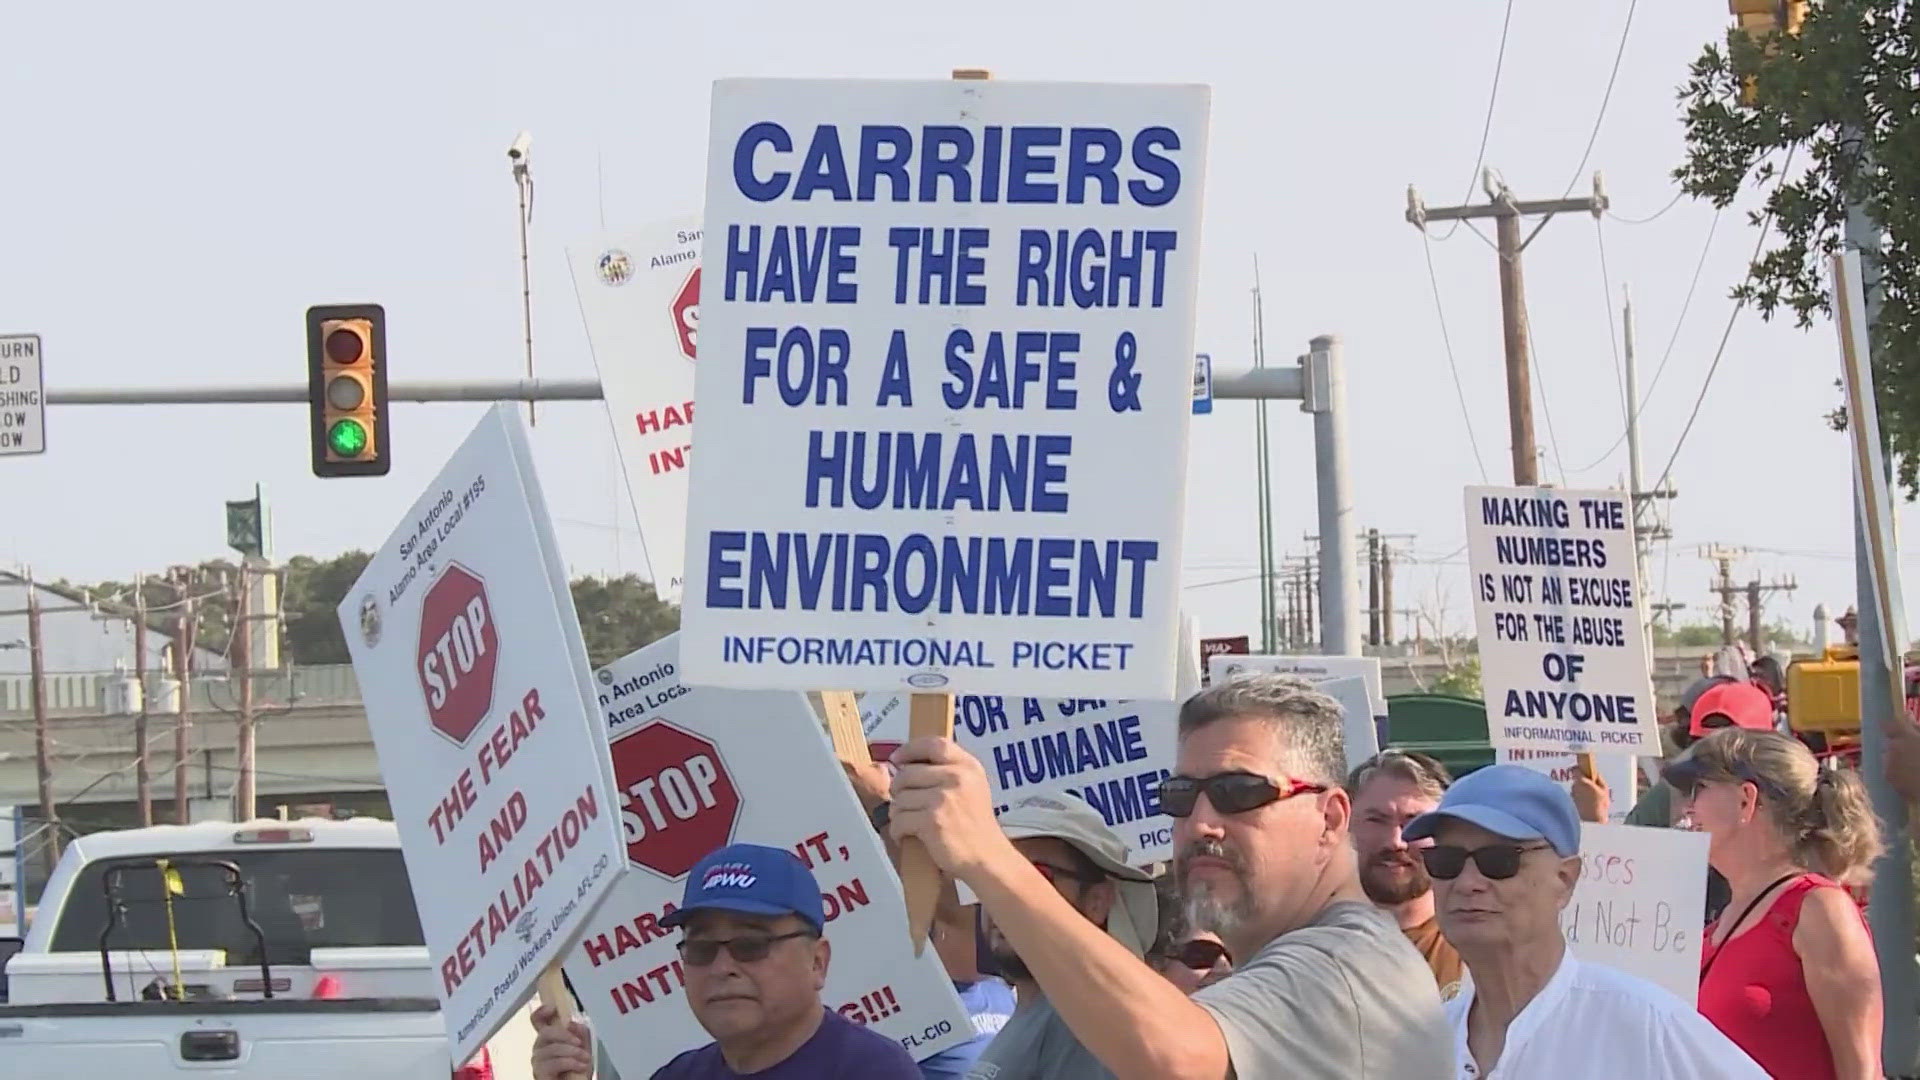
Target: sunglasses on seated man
1229	792
744	950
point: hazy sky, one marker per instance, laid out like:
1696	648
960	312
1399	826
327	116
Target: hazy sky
181	183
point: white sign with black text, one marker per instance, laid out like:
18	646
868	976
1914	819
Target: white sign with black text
1556	601
23	404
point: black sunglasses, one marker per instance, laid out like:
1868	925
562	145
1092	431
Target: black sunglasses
1229	792
1200	954
744	950
1497	862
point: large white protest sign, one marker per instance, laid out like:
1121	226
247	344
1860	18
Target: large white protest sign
1640	902
640	296
465	644
698	769
944	386
1557	605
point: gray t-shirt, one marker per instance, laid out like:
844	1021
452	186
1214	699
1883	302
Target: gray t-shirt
1344	996
1036	1044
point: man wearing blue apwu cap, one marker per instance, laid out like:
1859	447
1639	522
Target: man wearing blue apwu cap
1504	862
755	960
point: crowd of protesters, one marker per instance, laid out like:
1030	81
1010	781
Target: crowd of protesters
1385	921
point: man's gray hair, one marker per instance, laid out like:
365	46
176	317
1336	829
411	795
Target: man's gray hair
1306	723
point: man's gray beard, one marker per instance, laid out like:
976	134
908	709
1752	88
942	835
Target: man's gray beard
1212	914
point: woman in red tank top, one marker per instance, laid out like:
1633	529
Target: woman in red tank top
1788	970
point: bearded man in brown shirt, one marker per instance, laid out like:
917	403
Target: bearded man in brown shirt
1388	790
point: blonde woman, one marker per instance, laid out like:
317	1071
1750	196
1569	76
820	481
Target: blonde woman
1788	970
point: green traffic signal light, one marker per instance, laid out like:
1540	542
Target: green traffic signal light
347	438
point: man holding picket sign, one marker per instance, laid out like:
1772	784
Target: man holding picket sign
1328	987
755	955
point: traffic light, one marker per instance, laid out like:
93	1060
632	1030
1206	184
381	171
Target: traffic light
1758	19
347	389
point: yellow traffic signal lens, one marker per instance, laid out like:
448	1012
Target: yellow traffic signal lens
347	438
346	347
346	393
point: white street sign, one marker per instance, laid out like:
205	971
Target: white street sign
23	403
945	384
1556	601
467	650
640	295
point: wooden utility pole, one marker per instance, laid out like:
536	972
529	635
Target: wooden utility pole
1756	622
183	718
246	801
142	772
1386	594
1725	587
1507	213
1373	587
42	740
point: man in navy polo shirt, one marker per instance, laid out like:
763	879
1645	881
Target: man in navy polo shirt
755	961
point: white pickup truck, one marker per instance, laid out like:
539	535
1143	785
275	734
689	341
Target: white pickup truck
276	950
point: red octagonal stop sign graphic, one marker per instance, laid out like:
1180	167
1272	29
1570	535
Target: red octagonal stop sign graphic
686	312
676	800
459	648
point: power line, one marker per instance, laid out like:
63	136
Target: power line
1626	31
1433	282
1766	227
1606	309
1486	126
1679	324
1653	217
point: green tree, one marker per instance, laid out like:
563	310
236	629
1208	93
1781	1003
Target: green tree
1840	98
1461	680
310	598
1689	636
619	615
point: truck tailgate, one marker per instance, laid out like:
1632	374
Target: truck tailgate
385	1039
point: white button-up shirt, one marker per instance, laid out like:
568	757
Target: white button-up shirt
1592	1022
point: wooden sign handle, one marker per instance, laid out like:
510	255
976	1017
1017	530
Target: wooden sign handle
843	726
555	995
929	715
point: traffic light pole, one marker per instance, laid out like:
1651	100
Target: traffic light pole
1274	383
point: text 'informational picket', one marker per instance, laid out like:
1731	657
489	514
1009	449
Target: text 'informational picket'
1556	601
945	379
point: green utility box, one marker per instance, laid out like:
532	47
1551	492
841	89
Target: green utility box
1450	729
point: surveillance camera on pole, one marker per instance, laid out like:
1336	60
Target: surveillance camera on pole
520	152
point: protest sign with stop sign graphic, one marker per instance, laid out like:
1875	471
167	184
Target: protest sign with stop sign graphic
686	313
677	801
458	647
